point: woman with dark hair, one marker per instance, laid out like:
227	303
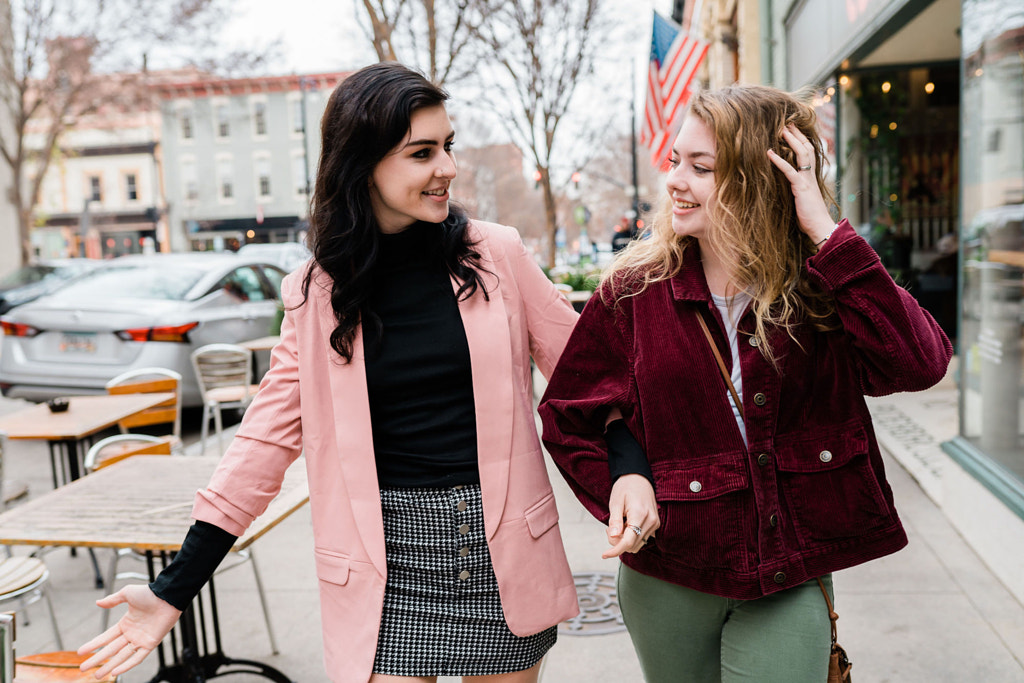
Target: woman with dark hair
403	374
737	343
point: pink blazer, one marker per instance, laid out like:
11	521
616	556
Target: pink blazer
311	401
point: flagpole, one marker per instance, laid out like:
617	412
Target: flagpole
632	147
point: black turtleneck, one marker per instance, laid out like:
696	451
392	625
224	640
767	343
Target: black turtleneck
418	372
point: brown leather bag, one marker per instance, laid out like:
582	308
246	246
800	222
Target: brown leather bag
839	665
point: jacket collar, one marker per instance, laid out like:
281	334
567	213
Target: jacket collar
689	284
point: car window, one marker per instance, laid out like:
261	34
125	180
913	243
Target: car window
243	284
274	276
138	281
25	275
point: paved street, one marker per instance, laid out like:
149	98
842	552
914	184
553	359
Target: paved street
932	613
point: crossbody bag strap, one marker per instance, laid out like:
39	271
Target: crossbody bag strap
832	616
721	364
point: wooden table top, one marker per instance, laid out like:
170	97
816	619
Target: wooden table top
85	416
261	344
144	502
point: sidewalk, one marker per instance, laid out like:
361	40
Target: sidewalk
932	613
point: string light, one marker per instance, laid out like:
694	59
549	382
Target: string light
929	88
892	126
886	86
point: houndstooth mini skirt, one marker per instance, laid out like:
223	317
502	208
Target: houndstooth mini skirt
442	613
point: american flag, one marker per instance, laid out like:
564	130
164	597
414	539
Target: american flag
674	61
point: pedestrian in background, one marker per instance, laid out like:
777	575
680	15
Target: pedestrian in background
403	373
729	490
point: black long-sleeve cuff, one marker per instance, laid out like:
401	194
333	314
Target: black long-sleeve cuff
203	549
625	455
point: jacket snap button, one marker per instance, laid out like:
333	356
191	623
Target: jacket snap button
464	529
463	551
463	575
762	459
760	399
695	486
773	521
825	456
780	577
753	341
461	506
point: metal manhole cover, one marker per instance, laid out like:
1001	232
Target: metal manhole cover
599	606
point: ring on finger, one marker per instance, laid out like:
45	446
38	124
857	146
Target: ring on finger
805	168
636	530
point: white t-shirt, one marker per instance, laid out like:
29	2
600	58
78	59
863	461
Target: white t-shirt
732	309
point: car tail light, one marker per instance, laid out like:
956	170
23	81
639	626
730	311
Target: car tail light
162	333
18	329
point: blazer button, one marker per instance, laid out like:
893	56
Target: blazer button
461	506
695	486
754	341
780	577
762	459
760	399
464	529
773	521
463	551
463	575
825	456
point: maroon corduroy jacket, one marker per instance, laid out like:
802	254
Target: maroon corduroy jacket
809	495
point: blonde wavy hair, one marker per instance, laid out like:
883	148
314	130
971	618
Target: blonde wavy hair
752	213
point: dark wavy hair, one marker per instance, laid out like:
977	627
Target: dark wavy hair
367	116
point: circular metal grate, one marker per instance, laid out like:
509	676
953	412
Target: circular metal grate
599	607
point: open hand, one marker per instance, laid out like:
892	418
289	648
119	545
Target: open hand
135	635
811	211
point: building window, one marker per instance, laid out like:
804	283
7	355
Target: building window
131	187
225	178
263	176
299	174
95	189
295	109
259	118
186	124
220	113
189	180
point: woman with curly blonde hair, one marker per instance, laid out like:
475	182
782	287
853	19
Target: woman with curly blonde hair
713	392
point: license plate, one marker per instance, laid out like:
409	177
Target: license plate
72	342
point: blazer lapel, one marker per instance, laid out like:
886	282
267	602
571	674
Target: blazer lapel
353	433
490	352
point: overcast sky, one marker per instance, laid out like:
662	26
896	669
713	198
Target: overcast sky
324	36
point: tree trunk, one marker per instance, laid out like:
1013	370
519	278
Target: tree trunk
550	215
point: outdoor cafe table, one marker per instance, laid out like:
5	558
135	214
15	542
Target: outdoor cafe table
145	503
66	431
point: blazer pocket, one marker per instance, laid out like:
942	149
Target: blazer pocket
332	567
542	515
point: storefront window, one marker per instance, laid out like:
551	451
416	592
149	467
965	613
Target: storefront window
992	238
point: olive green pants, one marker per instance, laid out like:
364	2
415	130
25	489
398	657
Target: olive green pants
685	636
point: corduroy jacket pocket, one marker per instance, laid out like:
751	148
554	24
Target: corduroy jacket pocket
829	486
703	512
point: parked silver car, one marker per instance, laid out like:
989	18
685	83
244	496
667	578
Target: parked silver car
288	255
137	311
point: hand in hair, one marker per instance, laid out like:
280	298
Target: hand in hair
811	210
